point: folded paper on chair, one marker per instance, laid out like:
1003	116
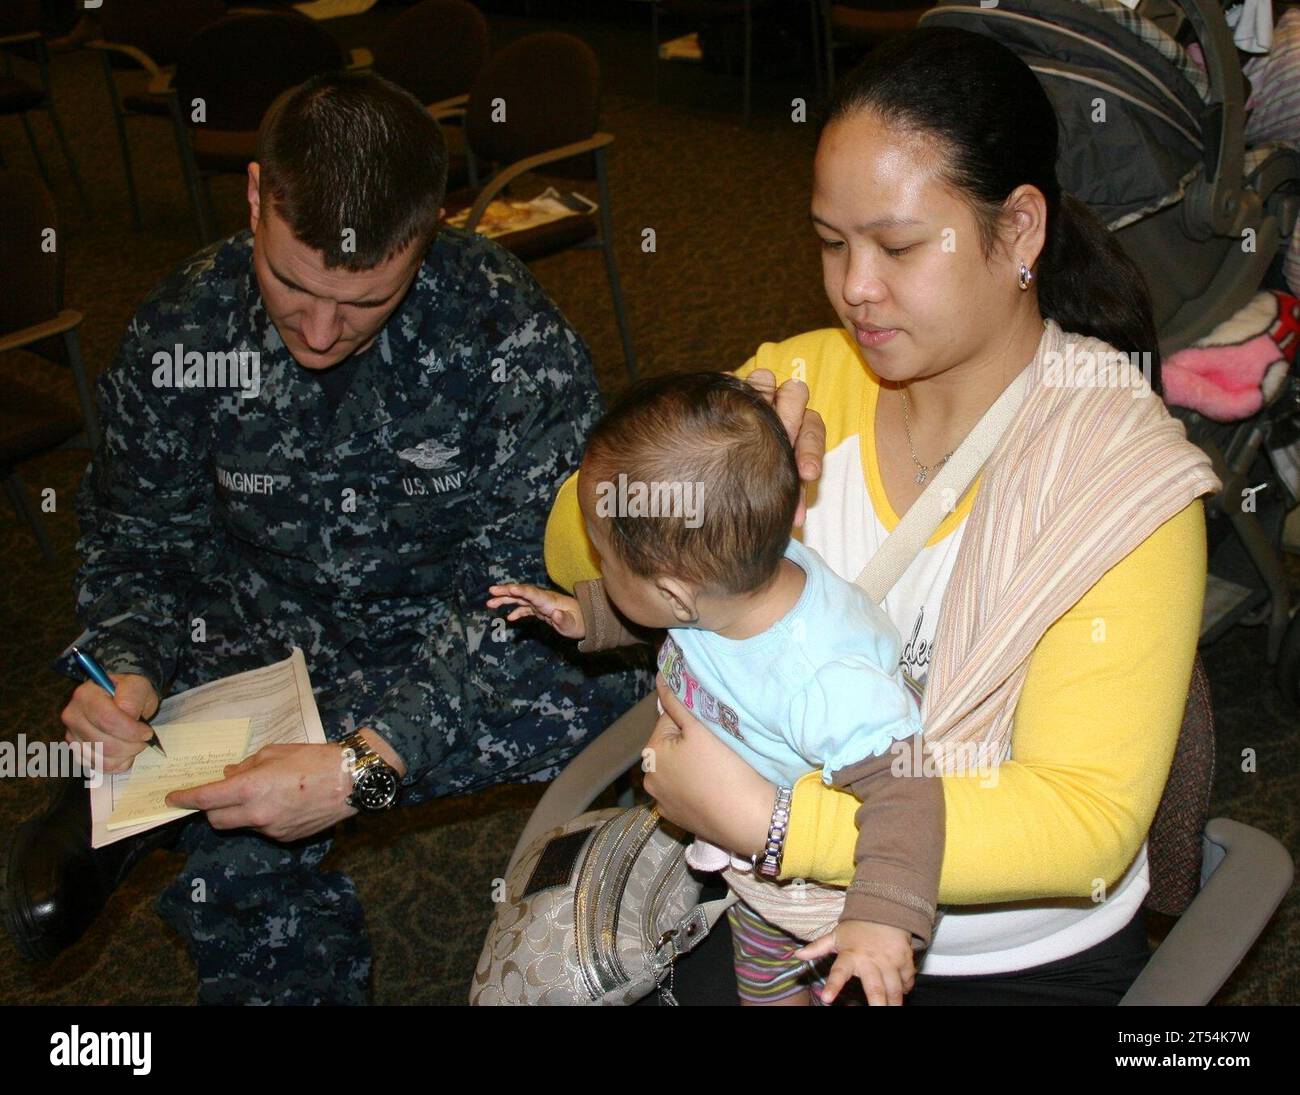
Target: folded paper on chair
502	217
203	730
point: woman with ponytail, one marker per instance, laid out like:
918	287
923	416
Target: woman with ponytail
1053	616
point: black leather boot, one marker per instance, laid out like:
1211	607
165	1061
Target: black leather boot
56	883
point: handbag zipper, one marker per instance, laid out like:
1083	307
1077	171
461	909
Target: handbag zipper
640	828
583	915
656	898
615	846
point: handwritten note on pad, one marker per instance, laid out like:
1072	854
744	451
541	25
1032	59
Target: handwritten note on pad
197	752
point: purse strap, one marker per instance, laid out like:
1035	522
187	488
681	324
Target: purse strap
713	910
917	525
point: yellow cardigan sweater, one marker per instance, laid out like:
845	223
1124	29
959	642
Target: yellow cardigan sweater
1096	723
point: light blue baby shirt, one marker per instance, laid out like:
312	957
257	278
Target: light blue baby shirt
820	688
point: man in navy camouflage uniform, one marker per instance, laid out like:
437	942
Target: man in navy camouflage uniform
387	447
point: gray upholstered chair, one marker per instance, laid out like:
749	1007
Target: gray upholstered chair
550	83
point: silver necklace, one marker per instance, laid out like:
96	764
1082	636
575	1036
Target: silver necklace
924	473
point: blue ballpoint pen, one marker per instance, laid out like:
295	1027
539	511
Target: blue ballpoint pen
96	673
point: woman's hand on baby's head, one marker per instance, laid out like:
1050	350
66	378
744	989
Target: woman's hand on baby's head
559	610
806	430
878	955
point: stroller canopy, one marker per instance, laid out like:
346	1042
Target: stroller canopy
1132	106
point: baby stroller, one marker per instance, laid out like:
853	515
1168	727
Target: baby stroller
1169	175
1154	144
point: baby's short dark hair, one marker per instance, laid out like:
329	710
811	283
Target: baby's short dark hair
698	480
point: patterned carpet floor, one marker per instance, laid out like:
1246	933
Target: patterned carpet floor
735	265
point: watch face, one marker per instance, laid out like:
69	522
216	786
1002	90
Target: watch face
376	788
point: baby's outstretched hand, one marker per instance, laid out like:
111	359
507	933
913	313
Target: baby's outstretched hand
878	955
559	610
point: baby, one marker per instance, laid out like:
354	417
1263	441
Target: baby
688	489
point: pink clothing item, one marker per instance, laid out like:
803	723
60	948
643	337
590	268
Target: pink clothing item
1239	367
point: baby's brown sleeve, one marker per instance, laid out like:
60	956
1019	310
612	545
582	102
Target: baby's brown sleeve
606	629
900	841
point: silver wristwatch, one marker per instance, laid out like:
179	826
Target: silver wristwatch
374	783
768	861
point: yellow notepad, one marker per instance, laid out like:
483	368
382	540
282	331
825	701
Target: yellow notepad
197	752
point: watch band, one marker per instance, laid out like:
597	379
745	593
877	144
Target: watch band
768	862
358	757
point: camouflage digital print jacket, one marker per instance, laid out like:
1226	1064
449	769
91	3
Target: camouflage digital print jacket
232	520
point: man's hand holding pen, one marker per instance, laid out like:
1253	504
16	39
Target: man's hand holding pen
115	722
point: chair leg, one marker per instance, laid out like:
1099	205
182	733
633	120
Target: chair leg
73	170
611	267
190	172
749	54
119	117
620	312
654	46
36	152
17	491
84	396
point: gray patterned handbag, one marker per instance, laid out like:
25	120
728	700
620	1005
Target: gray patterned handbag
596	912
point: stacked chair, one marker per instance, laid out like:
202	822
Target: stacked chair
36	332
